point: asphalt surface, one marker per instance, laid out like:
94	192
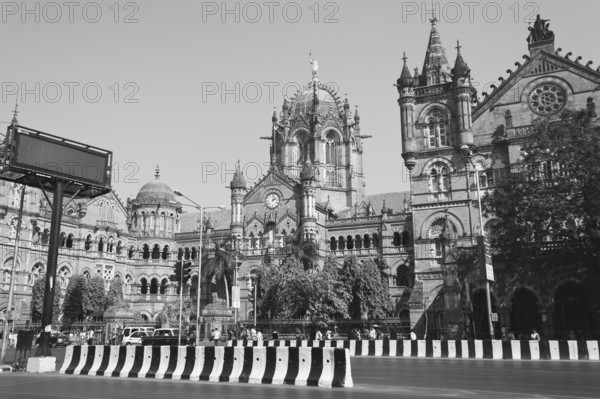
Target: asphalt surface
373	378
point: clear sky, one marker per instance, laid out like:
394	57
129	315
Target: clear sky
191	85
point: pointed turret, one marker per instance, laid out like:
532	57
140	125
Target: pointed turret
238	191
436	68
461	69
405	78
238	180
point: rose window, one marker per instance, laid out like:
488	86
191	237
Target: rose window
547	99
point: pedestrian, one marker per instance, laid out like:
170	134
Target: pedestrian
413	336
318	335
275	335
259	335
534	335
299	335
90	337
244	334
216	336
328	335
253	334
372	333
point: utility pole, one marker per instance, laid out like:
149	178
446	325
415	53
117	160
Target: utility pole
13	275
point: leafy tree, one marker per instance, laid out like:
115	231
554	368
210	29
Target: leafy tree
553	195
115	293
37	301
367	288
94	296
73	303
288	291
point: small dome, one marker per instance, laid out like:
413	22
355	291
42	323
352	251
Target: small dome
405	79
155	192
303	101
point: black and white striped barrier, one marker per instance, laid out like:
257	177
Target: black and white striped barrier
467	349
323	367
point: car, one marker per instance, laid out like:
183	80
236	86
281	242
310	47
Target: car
135	338
56	339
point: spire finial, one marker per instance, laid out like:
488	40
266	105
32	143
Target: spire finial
15	121
458	46
157	174
404	57
433	20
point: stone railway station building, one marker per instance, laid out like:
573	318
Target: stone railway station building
315	191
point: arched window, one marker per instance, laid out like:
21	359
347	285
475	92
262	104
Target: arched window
128	283
88	242
358	241
341	243
152	220
100	244
144	222
165	252
36	234
119	247
111	245
375	240
330	148
163	286
252	243
162	221
349	242
367	241
194	252
187	253
305	148
397	241
63	277
144	286
45	236
146	251
154	286
437	129
333	244
63	239
405	238
403	276
37	271
155	252
180	254
131	252
70	241
439	181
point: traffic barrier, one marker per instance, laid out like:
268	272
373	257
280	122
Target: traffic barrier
311	366
466	349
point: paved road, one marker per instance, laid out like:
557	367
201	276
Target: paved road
373	378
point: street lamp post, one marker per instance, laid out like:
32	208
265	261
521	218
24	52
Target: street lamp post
200	208
468	154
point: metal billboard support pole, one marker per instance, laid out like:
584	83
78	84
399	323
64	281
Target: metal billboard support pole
57	202
180	301
13	275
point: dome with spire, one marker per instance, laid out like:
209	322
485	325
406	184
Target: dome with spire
303	101
155	192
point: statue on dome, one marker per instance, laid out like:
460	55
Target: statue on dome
540	30
315	65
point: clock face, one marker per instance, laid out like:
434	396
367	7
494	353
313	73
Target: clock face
272	200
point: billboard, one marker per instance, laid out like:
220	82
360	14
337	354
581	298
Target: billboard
36	158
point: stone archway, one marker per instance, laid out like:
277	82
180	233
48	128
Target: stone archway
572	311
525	314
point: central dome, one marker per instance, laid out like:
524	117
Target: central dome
302	102
155	192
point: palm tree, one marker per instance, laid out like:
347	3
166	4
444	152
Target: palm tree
220	263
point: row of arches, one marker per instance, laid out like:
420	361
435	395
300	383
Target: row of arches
155	222
357	242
